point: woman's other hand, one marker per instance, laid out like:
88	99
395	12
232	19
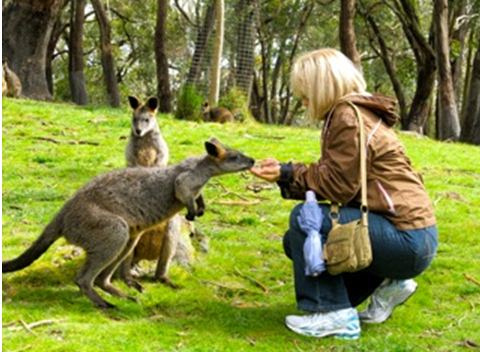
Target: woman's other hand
268	169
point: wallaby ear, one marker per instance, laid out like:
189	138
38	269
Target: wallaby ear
152	103
215	148
134	102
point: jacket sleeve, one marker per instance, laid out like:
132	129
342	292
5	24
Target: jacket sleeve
336	175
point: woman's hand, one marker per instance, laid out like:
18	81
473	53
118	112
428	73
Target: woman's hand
269	169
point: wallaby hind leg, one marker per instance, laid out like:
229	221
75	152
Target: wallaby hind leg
103	236
104	279
167	253
97	260
125	274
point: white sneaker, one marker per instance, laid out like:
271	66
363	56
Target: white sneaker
343	323
386	297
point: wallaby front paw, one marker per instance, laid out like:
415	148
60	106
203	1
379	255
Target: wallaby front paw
200	212
190	217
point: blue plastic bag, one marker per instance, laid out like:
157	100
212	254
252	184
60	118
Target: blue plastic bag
310	221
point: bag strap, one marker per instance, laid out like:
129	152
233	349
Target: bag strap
334	211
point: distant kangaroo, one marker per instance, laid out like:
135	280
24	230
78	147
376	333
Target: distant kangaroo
11	86
107	215
217	114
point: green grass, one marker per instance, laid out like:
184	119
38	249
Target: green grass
218	308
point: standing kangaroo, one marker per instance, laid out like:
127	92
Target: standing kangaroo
107	215
147	148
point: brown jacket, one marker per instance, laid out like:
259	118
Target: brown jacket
394	189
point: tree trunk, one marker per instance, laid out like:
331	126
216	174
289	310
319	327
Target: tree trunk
468	69
245	49
448	122
201	45
348	41
419	109
459	36
426	65
27	26
274	100
390	68
163	81
76	76
108	63
217	54
471	125
58	29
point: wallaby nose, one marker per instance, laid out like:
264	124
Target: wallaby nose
251	161
138	131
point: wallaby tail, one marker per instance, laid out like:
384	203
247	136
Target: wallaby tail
50	234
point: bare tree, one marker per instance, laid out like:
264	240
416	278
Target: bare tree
75	59
426	64
58	30
163	81
387	58
448	125
108	63
459	24
471	124
245	46
217	54
348	41
27	27
201	41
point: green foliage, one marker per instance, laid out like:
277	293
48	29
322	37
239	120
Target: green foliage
189	104
236	102
219	308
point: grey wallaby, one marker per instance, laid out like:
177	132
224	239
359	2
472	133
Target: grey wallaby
147	148
217	114
107	215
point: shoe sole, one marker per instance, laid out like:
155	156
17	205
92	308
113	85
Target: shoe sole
339	334
366	321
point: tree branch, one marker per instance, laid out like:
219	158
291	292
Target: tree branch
184	14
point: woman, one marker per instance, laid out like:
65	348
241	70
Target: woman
402	226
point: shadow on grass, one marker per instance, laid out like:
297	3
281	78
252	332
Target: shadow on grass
53	290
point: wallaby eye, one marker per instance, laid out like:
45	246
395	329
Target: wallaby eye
233	157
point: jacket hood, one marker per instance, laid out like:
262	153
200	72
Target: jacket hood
382	106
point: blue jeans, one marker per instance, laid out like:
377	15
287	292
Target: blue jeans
397	254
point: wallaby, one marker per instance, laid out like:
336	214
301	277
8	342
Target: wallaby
147	148
12	82
152	246
107	215
217	114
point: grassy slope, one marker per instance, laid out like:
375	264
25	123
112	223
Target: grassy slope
218	309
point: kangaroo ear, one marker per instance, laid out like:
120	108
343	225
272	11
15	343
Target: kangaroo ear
215	148
134	102
152	103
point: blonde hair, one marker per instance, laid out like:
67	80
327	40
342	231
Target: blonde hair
323	77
